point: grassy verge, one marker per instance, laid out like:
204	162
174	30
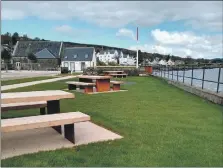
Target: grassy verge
15	81
162	126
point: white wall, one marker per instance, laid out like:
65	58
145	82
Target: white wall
77	65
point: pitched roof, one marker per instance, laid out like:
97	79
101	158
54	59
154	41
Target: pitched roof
78	54
111	51
45	53
102	52
34	47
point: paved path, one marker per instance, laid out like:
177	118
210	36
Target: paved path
14	86
12	74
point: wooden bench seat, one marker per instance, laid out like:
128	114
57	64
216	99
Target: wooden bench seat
88	87
22	106
116	84
123	75
49	120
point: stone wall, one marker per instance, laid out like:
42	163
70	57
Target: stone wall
42	64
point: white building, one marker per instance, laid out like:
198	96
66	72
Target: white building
179	62
79	58
126	59
108	56
162	62
170	62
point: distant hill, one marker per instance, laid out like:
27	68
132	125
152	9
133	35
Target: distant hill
9	39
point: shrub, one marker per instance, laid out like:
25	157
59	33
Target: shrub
64	70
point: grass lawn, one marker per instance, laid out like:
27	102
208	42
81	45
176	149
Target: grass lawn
15	81
162	126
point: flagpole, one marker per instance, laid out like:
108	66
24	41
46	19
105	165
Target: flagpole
137	52
137	58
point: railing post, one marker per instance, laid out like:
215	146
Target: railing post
168	73
203	78
219	74
177	72
183	73
172	73
192	75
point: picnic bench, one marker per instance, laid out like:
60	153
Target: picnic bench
102	82
48	120
119	75
116	84
112	72
22	106
88	87
52	98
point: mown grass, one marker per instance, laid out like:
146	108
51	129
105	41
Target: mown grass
15	81
162	126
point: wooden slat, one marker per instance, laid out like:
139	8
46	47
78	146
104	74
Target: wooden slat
116	82
113	71
93	77
41	121
19	97
22	106
80	83
118	74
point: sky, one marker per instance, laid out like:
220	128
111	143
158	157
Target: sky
181	28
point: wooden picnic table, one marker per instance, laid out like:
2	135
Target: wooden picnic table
113	72
52	97
102	82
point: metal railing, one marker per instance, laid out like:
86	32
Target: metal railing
168	72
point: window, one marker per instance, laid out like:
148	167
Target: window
75	55
65	57
86	55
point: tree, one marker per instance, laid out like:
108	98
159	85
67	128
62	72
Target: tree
188	60
167	58
59	62
15	38
25	37
32	58
117	58
37	38
6	56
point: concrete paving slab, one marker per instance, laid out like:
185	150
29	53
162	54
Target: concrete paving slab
45	139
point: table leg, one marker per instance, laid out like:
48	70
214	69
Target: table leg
53	107
102	85
86	81
69	132
116	87
42	111
88	89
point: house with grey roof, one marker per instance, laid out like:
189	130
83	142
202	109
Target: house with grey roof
48	53
78	58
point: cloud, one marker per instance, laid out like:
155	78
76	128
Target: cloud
179	38
64	29
126	33
121	13
71	31
184	44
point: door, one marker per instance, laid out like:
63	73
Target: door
18	65
72	66
82	66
